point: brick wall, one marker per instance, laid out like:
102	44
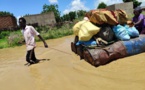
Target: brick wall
7	22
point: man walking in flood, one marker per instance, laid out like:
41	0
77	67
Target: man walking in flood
29	34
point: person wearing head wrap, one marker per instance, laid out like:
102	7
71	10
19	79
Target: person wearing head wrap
139	20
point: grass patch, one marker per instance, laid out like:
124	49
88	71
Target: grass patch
55	33
12	38
3	43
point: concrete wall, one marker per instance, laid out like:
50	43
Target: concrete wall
128	7
46	19
7	22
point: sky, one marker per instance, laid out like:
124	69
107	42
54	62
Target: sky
22	7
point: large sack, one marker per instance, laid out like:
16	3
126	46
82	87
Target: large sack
132	31
106	33
89	14
85	30
121	15
103	16
77	27
121	33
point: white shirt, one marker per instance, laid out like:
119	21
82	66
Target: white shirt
29	34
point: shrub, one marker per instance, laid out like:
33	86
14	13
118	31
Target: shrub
4	34
55	33
14	39
3	43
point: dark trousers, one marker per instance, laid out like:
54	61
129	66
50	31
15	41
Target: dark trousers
30	56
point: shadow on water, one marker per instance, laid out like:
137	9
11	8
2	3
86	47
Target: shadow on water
38	61
43	59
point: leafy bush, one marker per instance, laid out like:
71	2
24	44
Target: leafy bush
4	34
14	39
55	33
3	43
42	29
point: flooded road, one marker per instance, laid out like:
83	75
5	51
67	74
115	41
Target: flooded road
61	69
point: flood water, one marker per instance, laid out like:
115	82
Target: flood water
61	69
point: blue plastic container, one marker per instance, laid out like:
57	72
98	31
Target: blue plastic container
135	46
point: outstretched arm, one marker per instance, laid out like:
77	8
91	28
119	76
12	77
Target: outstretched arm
45	44
138	22
140	19
36	33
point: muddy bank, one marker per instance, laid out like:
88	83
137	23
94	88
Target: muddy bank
61	69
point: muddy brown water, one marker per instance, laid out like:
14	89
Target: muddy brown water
61	69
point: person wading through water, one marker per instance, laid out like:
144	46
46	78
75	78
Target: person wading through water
29	34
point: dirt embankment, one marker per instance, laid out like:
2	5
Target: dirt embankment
61	69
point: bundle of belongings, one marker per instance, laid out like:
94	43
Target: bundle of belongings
100	37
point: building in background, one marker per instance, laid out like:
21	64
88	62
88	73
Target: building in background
8	22
46	19
128	7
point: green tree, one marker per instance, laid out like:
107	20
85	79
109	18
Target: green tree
72	15
52	8
81	13
66	17
102	5
4	13
135	3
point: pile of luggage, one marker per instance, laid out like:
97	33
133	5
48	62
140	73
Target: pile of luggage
105	36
